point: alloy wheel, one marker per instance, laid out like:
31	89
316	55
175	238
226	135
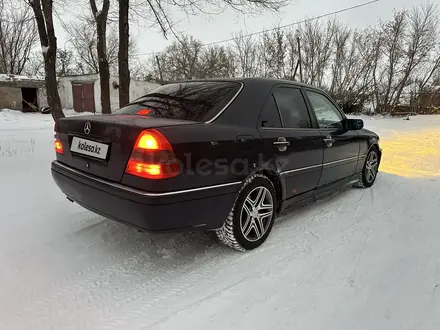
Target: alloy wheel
256	214
371	167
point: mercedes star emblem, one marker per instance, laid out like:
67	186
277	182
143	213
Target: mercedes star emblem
87	128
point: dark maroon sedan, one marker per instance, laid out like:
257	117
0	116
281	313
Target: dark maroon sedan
224	155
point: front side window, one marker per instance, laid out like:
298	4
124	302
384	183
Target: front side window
292	108
327	114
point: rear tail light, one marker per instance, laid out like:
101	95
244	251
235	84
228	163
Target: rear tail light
57	143
58	146
152	157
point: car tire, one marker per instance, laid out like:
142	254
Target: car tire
250	220
369	171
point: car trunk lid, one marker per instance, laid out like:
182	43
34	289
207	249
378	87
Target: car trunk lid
101	145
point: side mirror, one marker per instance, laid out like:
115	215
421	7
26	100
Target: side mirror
354	124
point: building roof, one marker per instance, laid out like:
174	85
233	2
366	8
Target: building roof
10	80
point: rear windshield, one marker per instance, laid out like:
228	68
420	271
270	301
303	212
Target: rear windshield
194	101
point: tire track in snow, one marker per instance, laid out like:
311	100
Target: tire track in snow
156	306
361	225
79	285
214	291
76	283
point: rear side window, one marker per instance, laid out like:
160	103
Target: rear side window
270	117
292	107
192	101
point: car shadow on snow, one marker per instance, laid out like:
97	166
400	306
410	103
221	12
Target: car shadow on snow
121	239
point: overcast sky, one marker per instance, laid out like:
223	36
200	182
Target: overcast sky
214	28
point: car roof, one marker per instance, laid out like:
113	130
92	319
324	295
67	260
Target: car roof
251	97
253	80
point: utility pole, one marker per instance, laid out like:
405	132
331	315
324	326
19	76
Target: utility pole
299	60
160	70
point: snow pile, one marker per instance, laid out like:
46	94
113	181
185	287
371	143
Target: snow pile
11	120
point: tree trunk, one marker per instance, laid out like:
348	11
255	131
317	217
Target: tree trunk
104	69
124	73
48	40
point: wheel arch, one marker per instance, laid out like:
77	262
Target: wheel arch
375	144
277	182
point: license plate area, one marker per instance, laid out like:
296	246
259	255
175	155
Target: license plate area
89	148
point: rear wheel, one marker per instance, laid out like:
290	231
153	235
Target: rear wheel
251	218
369	172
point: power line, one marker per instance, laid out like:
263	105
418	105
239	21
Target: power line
280	27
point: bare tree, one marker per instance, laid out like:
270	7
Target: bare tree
83	36
273	52
64	62
429	72
187	59
181	59
43	12
342	54
316	47
100	17
159	12
216	62
391	36
247	54
143	69
18	35
380	65
292	55
124	42
406	43
34	65
352	68
420	41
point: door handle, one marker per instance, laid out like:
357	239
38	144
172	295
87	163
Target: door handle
282	143
329	140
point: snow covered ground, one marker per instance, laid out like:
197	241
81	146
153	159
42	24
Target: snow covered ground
361	259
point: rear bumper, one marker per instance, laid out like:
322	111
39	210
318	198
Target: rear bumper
205	208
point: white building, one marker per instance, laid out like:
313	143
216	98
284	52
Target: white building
24	93
83	93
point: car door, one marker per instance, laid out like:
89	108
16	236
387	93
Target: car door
341	146
291	135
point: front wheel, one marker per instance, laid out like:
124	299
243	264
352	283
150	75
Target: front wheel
252	216
369	172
